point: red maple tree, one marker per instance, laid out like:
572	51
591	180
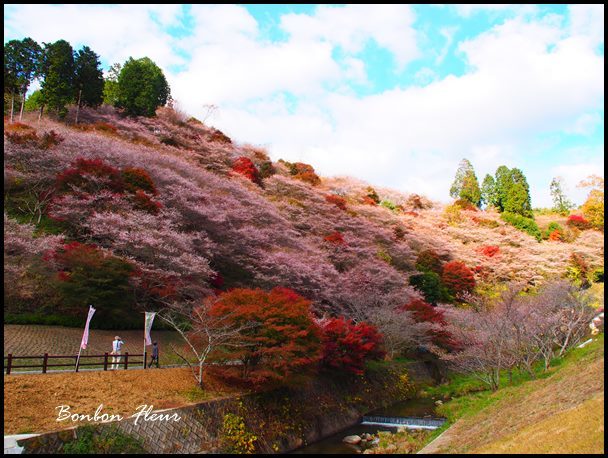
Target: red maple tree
346	345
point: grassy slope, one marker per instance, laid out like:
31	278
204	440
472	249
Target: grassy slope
559	413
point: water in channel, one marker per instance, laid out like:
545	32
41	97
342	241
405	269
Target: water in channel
333	444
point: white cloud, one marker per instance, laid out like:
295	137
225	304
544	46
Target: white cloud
524	77
115	32
573	174
351	26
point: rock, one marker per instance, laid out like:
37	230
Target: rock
368	436
354	439
438	402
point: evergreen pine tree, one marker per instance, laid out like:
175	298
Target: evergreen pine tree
488	191
465	185
88	79
58	71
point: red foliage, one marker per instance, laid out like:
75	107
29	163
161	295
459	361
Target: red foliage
285	342
423	312
142	201
304	172
338	201
135	179
335	238
368	200
458	277
244	166
579	222
555	236
78	176
489	250
411	213
219	137
22	137
346	346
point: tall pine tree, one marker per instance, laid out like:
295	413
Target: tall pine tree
488	191
88	79
58	71
465	185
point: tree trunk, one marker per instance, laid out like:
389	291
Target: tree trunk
200	375
40	114
12	105
22	104
78	105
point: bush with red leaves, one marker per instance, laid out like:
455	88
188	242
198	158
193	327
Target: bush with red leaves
143	202
335	238
90	175
244	166
303	172
285	341
489	250
423	312
138	179
458	277
346	346
338	201
579	222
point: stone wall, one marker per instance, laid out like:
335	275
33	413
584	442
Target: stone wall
282	419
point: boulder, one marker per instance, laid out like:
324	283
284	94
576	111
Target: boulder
438	402
354	439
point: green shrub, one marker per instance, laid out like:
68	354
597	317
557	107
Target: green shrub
430	285
390	205
527	225
107	441
553	226
597	276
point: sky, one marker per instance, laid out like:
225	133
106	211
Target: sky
396	95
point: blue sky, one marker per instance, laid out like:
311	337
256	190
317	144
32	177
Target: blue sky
395	95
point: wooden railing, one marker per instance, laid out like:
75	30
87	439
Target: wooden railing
123	361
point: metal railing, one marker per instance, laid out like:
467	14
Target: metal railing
123	360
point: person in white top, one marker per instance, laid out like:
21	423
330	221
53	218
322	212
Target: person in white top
116	347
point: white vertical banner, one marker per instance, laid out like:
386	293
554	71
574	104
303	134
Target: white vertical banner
148	327
85	336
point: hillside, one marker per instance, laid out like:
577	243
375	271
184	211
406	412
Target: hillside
563	413
202	225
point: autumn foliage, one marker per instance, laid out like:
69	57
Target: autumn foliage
346	345
423	312
579	222
285	341
458	277
88	177
335	238
490	250
244	166
338	201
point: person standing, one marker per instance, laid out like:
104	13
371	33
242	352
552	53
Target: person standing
116	351
154	355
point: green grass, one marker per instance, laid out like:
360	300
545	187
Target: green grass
469	396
